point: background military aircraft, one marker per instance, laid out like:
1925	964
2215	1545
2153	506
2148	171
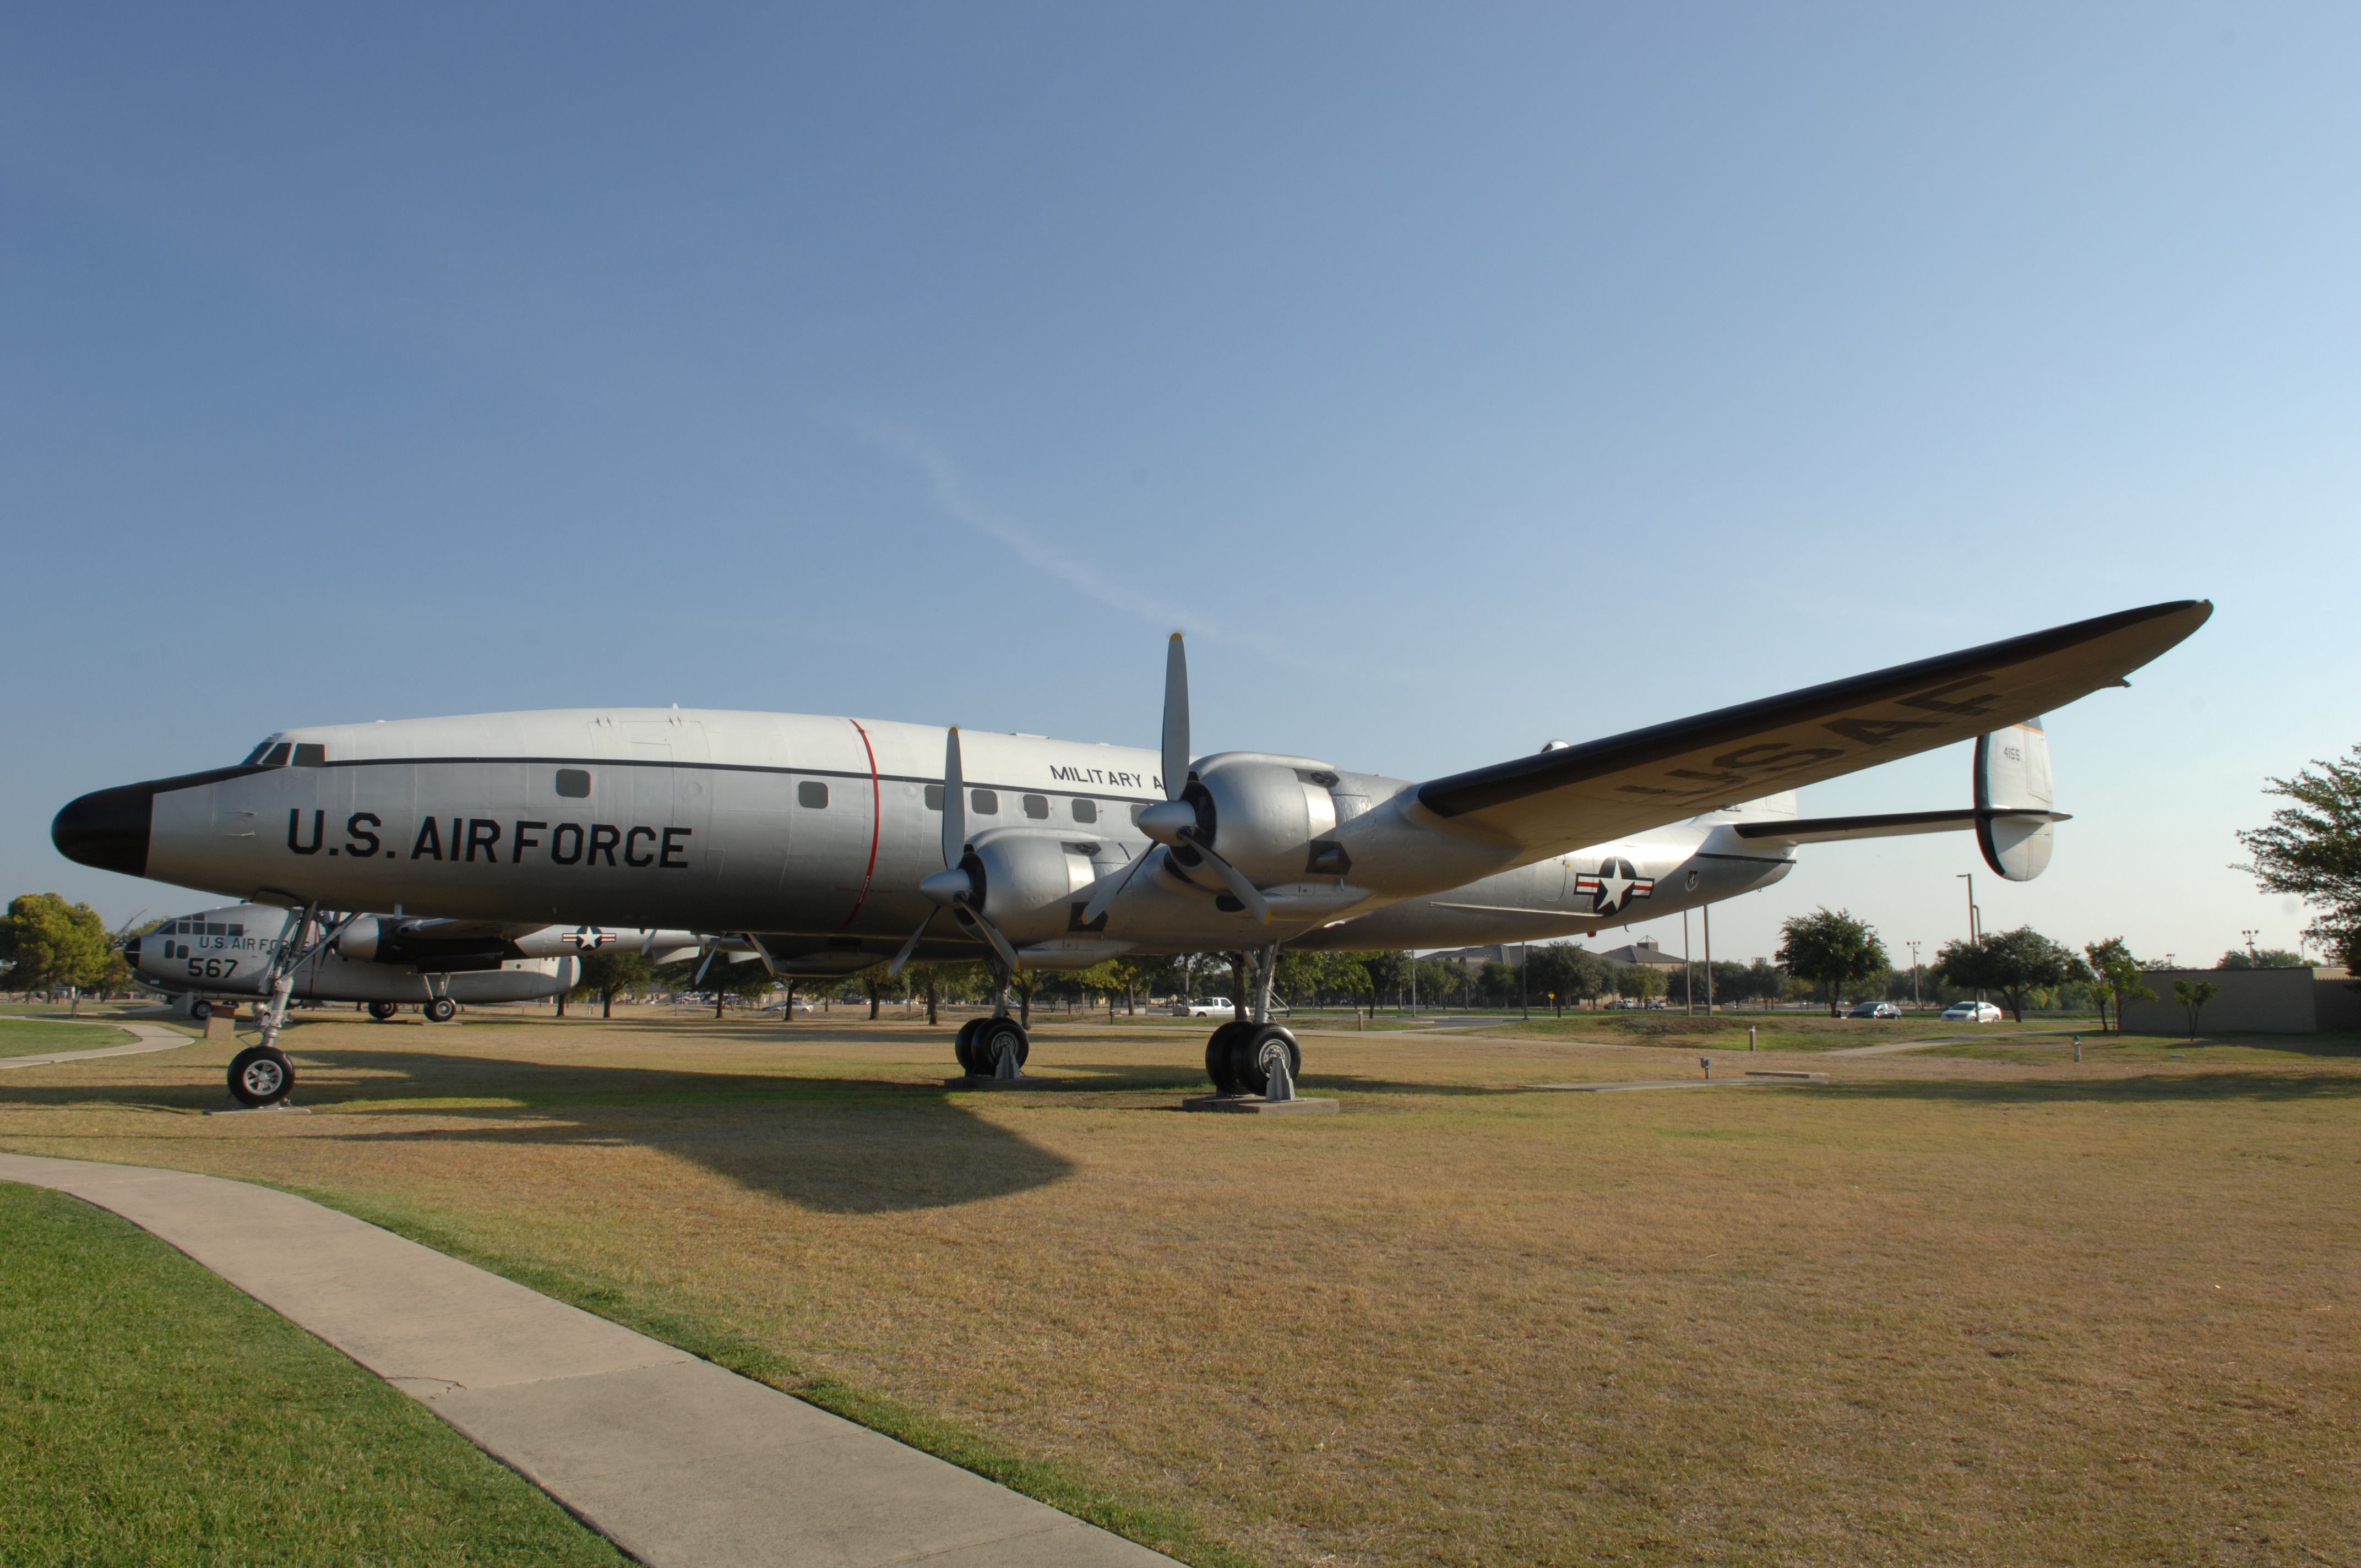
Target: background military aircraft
832	843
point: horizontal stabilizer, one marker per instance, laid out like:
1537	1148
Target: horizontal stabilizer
1886	824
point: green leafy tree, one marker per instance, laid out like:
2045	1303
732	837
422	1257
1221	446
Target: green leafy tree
1639	983
2313	849
2114	974
609	972
2264	958
1831	949
2193	996
2010	962
49	944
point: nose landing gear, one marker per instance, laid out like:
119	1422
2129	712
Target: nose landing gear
259	1076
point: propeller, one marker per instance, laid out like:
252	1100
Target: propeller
1172	823
953	888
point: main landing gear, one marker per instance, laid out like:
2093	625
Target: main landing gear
997	1047
383	1011
1252	1055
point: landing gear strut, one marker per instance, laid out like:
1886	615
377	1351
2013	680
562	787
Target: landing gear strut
1253	1054
261	1074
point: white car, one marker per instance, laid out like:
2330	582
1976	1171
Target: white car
1972	1012
1205	1007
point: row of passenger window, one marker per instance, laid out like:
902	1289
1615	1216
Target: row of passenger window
813	794
199	928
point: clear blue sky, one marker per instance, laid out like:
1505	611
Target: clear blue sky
1459	377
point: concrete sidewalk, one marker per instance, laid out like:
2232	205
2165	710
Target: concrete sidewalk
674	1459
148	1038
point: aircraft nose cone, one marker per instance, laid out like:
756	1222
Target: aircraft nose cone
107	828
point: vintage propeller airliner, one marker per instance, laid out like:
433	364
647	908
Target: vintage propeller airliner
829	845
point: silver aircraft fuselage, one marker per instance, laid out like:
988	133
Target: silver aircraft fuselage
813	833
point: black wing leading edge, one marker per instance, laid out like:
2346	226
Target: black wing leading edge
1627	784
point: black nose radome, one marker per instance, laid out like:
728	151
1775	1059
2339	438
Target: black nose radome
107	828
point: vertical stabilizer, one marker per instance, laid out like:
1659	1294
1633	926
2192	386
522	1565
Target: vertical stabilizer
2013	775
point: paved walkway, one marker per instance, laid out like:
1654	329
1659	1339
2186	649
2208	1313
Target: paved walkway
148	1038
672	1458
2027	1037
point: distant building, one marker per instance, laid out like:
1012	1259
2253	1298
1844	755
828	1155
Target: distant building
1644	951
2250	1001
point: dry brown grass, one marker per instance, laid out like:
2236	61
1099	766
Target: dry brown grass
1939	1311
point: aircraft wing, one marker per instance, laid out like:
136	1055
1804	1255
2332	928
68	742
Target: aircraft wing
1609	789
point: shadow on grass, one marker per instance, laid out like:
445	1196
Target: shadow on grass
832	1144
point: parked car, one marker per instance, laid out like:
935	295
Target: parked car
1972	1012
1205	1007
1875	1010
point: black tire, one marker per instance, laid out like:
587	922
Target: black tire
1218	1062
383	1011
963	1045
200	1010
1254	1049
989	1039
260	1075
441	1010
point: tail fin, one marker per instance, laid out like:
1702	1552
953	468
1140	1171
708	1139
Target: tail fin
2012	773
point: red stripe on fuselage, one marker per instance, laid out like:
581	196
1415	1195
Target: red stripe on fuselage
876	822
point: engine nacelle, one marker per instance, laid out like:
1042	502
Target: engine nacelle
1024	881
1267	814
358	942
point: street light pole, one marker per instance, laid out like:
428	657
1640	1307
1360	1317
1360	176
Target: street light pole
1976	915
1705	914
1916	1005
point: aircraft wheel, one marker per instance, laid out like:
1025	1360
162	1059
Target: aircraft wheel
442	1010
1255	1049
260	1075
1219	1065
996	1035
964	1046
383	1011
200	1010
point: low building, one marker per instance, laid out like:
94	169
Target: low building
2250	1001
1644	951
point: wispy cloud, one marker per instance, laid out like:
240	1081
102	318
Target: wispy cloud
958	501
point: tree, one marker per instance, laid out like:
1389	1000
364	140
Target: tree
2313	849
1638	982
2266	958
1831	949
48	943
607	974
2114	972
2193	996
2010	962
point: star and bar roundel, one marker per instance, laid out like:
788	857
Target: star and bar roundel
1616	884
588	939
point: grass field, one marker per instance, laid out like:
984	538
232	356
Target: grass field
149	1413
28	1036
1942	1310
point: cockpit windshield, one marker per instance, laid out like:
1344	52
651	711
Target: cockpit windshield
267	754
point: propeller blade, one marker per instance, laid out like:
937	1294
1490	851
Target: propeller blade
1242	889
698	982
1176	719
991	935
1113	891
954	801
911	946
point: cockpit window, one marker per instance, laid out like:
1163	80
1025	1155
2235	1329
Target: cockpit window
277	756
255	755
311	754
